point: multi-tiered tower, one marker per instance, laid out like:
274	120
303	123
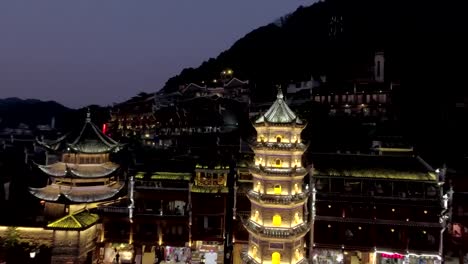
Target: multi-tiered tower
277	224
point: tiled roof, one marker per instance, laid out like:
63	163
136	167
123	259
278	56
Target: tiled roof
61	169
90	139
76	221
77	194
372	166
279	113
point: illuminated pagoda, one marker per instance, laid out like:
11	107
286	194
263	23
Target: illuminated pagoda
84	173
278	223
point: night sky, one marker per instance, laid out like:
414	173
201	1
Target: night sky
103	51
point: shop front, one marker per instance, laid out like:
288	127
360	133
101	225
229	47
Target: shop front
408	258
423	259
117	253
390	258
328	256
207	252
176	255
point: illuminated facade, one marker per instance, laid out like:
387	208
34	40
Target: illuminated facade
277	224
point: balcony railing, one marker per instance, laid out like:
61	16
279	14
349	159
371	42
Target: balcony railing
376	221
278	171
113	209
277	199
280	146
277	232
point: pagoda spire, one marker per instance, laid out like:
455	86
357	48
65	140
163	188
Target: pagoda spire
280	92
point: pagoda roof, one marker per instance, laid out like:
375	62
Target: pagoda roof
61	169
77	194
77	221
90	139
279	113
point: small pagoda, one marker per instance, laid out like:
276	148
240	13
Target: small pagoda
278	221
84	173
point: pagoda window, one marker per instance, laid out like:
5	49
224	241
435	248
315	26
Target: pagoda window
296	218
277	220
262	138
278	139
275	258
277	189
254	252
278	162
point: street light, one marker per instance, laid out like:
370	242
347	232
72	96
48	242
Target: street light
32	254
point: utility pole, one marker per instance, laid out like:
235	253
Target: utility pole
312	193
231	182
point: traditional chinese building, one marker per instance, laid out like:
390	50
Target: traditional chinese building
376	209
278	221
83	173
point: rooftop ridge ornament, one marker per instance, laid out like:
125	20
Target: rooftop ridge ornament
280	93
88	116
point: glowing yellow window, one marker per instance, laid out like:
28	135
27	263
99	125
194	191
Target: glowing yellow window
254	251
275	258
277	220
278	139
278	163
277	189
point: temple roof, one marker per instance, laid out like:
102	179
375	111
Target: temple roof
61	169
279	113
79	220
77	194
90	139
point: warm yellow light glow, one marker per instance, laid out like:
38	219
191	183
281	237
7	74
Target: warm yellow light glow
296	218
424	231
297	254
256	216
329	226
277	189
329	206
393	230
393	209
275	258
254	252
359	228
425	211
277	220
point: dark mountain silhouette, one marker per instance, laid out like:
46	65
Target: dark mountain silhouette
424	47
33	112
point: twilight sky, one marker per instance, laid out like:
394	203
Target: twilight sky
85	52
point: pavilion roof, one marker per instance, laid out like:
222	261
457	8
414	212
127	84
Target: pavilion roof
77	221
279	113
77	194
61	169
90	139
